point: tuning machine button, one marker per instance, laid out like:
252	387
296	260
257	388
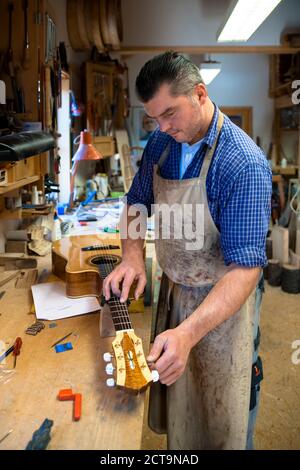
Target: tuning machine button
109	369
155	376
107	357
111	383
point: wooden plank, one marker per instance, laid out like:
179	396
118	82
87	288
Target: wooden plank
28	279
19	184
298	242
125	159
210	49
19	263
289	170
9	278
13	246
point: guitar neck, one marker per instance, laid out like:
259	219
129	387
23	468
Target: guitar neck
119	311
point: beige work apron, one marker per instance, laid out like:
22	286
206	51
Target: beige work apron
208	407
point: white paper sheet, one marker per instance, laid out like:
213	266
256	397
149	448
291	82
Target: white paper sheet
51	302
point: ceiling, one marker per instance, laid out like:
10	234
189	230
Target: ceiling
196	22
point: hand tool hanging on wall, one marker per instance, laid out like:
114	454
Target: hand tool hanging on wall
48	98
38	22
9	60
26	56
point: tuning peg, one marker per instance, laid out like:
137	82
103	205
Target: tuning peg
109	369
107	357
155	376
110	382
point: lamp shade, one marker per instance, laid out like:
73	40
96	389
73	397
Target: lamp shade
86	151
209	70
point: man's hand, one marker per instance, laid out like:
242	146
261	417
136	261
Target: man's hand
169	355
128	272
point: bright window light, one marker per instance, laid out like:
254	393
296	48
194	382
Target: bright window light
209	70
246	17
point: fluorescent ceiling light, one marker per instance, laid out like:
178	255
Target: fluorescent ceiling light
209	70
246	17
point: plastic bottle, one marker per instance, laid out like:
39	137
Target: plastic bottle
34	195
56	230
283	163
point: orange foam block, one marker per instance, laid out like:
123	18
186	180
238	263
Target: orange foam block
77	406
66	394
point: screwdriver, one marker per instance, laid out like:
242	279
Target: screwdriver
17	347
11	349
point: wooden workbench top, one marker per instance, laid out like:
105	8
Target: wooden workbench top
111	418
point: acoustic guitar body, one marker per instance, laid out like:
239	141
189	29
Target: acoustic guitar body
79	268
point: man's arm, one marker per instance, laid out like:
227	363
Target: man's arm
132	267
171	348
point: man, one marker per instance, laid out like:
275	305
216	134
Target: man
207	321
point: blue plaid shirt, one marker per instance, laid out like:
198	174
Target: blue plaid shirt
239	186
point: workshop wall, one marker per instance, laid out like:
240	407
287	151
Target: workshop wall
244	79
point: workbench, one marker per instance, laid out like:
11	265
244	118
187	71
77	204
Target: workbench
111	418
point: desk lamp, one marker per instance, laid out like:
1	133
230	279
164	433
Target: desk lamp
86	151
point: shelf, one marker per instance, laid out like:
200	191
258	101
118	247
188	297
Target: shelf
289	170
287	129
19	184
14	214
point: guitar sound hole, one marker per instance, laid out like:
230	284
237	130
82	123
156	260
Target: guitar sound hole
109	260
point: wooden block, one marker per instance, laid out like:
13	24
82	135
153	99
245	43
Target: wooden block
17	235
12	246
27	279
280	237
13	264
9	257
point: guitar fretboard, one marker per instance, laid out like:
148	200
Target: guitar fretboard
119	311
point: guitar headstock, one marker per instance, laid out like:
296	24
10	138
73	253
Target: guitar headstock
132	371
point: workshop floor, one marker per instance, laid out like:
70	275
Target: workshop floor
278	423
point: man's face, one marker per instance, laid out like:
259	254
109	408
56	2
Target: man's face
179	116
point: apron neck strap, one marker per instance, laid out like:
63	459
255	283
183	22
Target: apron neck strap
164	156
210	151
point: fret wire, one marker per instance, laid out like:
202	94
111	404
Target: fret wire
118	316
117	304
124	317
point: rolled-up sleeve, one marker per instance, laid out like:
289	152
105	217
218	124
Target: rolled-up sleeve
244	220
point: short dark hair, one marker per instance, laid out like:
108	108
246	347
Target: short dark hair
170	67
